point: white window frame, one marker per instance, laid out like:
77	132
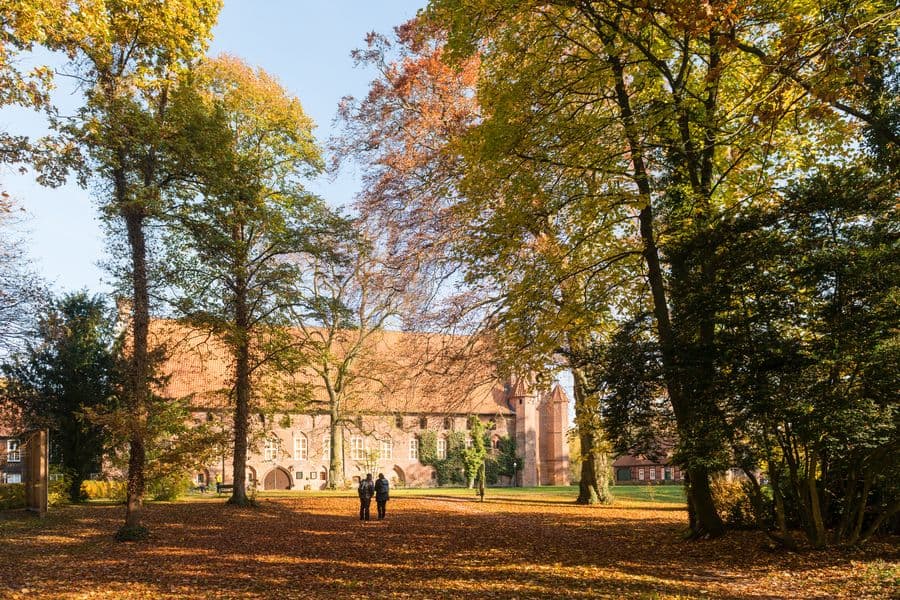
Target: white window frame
301	447
357	448
442	448
641	474
13	453
652	473
387	449
270	451
469	442
414	449
13	478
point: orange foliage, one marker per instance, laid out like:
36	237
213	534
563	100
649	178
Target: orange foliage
429	547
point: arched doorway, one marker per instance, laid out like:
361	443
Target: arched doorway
399	476
277	479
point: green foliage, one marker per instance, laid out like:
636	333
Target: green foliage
60	489
428	447
12	495
66	374
506	457
169	487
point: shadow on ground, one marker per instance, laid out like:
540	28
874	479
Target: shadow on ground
427	548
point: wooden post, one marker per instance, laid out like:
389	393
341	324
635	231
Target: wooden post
37	474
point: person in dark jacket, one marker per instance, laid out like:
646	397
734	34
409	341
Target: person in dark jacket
366	490
382	491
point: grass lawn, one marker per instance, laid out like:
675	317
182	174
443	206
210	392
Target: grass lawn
443	543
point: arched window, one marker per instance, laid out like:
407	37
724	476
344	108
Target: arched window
301	447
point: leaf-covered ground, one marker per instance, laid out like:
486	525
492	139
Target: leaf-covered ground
440	546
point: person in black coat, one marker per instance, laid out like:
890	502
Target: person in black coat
382	492
366	490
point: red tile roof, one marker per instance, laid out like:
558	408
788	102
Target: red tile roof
396	372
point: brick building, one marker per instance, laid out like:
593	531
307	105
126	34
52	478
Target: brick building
11	463
637	469
403	385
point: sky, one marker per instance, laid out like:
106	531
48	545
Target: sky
306	44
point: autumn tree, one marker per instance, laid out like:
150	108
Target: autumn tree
660	115
128	54
25	26
243	222
529	276
346	301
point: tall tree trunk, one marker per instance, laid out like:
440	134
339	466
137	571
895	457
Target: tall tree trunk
593	487
704	520
241	346
336	449
241	425
138	393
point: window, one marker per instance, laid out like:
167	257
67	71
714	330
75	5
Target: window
12	451
201	479
398	421
271	449
414	449
359	422
357	448
13	478
469	442
448	423
387	449
301	447
652	473
326	447
313	475
442	448
423	422
298	475
641	474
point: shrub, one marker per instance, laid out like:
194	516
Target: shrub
58	493
733	503
12	495
111	489
170	487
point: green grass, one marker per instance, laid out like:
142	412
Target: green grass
665	494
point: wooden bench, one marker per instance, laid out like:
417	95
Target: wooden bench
221	488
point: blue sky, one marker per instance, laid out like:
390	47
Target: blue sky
305	43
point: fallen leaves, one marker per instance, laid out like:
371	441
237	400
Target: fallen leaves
427	548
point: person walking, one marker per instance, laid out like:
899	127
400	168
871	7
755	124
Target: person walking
382	492
366	490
